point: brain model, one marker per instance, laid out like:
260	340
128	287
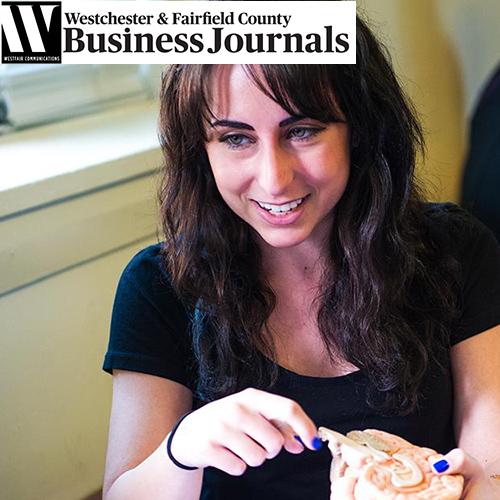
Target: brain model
386	467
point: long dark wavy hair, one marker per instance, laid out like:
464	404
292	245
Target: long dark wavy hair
387	299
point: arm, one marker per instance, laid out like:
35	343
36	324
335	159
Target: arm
143	411
476	377
240	430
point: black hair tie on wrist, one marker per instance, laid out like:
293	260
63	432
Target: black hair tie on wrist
169	444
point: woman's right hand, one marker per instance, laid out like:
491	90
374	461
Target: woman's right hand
243	429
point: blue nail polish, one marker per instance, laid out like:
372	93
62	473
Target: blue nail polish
441	466
317	443
299	440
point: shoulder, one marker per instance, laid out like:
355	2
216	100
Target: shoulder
150	325
456	233
473	246
147	263
146	275
454	229
448	216
146	269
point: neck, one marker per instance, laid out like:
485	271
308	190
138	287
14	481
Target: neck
301	264
289	267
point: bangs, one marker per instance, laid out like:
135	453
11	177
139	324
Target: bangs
290	86
287	85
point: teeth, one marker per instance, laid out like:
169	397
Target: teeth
277	209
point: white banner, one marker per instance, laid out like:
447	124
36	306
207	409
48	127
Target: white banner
163	32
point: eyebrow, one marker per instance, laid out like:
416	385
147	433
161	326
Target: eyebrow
246	126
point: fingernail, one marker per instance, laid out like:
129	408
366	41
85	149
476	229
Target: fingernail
299	440
317	443
441	466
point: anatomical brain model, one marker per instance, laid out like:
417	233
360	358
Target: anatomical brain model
388	467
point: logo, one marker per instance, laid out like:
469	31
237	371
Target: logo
31	32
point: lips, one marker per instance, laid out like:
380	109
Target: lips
281	217
280	208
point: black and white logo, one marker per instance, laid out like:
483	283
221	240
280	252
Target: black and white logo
31	32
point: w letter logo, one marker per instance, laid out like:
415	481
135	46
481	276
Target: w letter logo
31	32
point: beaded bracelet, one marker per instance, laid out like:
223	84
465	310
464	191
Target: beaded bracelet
169	444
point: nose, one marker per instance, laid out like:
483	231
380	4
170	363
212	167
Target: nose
275	170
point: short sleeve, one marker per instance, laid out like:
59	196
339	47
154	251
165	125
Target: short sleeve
479	255
149	325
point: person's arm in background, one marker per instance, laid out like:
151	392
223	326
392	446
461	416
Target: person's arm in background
481	175
144	409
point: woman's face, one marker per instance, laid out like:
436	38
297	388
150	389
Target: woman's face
281	174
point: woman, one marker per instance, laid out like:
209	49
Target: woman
302	282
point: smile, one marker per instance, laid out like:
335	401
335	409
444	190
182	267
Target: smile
279	209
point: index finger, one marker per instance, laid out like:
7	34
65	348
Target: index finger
272	406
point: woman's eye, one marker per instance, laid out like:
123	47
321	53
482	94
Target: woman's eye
303	133
235	141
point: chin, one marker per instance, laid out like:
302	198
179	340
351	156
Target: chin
283	241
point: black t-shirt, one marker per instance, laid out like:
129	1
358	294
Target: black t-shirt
150	333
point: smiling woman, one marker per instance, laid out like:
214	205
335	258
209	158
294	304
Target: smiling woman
302	280
292	170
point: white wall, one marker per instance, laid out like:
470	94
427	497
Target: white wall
54	396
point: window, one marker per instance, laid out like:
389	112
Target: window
36	94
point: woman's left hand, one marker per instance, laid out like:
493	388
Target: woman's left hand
478	485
